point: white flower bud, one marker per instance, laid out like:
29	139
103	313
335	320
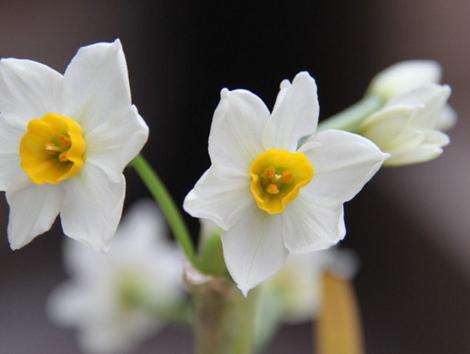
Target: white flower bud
407	127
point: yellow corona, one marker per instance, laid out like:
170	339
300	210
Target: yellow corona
276	178
52	149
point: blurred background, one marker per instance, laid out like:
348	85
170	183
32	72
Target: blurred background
409	225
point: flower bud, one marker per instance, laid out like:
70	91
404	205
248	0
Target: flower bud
407	127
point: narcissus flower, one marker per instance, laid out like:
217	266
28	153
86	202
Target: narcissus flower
408	125
65	142
270	195
115	299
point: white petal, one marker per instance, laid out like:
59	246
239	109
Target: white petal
342	262
12	177
219	196
253	248
118	334
343	163
97	85
28	90
311	224
237	125
386	124
448	119
92	207
435	137
79	260
283	89
418	154
430	99
32	212
408	139
68	304
143	227
405	76
114	143
295	114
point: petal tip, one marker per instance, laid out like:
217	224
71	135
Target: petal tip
284	84
244	289
14	247
304	75
117	42
224	93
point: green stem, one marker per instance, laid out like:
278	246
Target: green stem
224	320
168	206
350	118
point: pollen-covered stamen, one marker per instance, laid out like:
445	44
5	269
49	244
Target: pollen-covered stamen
287	177
273	181
272	189
59	145
64	157
52	148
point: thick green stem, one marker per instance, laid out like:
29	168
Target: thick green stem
224	320
351	118
168	206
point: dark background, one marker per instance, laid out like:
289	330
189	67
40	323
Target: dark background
409	225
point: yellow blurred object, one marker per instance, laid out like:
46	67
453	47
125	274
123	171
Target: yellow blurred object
338	327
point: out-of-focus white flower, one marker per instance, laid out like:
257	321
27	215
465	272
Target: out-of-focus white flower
407	126
271	196
405	76
65	142
297	286
114	299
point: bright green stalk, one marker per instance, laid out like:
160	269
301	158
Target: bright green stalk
168	206
351	118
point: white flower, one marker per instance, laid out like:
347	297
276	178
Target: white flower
270	196
296	288
102	299
405	76
407	126
66	140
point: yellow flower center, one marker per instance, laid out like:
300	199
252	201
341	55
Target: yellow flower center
52	149
276	178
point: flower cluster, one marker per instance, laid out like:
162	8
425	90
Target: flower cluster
275	189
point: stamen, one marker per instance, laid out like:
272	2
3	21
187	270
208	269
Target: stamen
63	157
52	148
270	173
287	177
272	189
65	141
